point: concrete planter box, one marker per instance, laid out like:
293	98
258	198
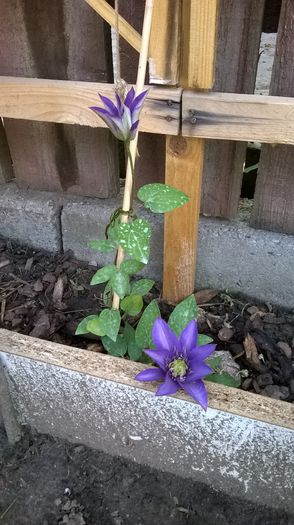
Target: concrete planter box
242	446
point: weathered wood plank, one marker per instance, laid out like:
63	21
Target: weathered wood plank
6	171
198	43
125	29
164	60
68	102
230	116
48	40
184	159
237	54
274	195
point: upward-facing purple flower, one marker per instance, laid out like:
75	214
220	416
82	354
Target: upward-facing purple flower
122	118
181	362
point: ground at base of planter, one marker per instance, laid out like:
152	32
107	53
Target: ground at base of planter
47	481
45	296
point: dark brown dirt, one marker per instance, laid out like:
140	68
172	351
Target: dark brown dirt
45	296
47	482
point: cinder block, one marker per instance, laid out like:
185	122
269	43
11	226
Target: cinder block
83	220
31	217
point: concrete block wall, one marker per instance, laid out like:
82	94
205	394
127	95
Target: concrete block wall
231	255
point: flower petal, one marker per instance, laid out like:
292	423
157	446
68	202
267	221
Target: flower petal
201	353
163	337
159	357
198	392
201	369
168	387
129	97
137	105
133	130
109	121
151	374
110	106
188	337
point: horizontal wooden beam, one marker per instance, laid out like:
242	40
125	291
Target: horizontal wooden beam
126	31
68	102
230	116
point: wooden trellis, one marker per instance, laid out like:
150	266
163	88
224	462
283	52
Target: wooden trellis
186	115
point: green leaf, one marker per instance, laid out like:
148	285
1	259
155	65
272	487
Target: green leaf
107	295
134	238
204	340
102	246
82	326
120	283
223	378
104	274
183	313
132	304
214	362
95	326
161	198
131	266
110	320
142	286
145	325
134	351
117	348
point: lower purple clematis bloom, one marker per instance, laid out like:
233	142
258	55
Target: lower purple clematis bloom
122	118
181	362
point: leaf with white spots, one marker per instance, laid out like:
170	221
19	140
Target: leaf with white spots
161	198
134	238
183	313
145	325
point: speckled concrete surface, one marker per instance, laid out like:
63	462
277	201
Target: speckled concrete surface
237	455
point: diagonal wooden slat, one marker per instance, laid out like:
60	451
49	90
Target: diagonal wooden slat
126	31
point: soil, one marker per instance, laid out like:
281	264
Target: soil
45	296
47	482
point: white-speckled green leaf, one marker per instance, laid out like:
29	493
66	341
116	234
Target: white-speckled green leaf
134	238
82	326
110	320
134	351
102	245
183	313
161	198
132	304
204	340
142	286
223	378
117	348
120	283
95	326
145	325
104	274
131	266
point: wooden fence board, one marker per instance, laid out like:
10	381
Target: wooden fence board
184	158
6	171
230	116
239	30
48	40
274	195
65	101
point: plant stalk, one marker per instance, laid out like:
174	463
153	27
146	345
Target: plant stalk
129	183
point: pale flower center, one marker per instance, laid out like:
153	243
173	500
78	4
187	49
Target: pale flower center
178	367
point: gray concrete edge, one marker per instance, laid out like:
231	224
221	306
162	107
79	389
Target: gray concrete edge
231	255
230	453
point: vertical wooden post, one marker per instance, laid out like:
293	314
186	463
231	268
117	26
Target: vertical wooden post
274	195
6	172
184	159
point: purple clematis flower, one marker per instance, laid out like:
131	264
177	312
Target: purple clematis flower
122	118
181	362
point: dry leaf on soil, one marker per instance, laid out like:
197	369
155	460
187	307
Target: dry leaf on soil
251	352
